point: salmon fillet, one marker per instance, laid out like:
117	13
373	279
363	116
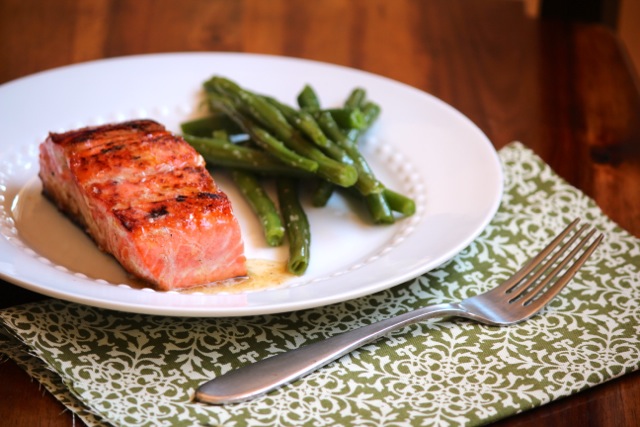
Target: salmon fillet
145	196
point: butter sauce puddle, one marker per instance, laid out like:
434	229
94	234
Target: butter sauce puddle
263	274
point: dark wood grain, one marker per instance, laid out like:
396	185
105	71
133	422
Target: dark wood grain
564	89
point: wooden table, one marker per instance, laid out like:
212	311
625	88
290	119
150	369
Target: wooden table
565	90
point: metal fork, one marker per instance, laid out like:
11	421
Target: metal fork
517	299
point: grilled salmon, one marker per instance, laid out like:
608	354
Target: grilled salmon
145	196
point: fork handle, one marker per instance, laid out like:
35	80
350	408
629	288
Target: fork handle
261	377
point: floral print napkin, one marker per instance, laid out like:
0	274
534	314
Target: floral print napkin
123	369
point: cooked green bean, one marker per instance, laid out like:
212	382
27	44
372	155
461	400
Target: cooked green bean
399	202
253	105
221	134
356	98
322	193
307	124
205	126
301	120
349	118
262	206
308	99
222	153
379	209
274	121
367	182
261	137
370	112
296	225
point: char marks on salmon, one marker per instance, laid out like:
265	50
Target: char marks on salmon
145	196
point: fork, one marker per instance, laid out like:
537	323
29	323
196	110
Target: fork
517	299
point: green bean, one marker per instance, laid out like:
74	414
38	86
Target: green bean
256	106
367	182
263	138
269	116
221	134
349	118
382	204
322	193
205	126
306	123
370	112
252	105
267	139
379	205
379	209
395	201
296	225
262	206
399	202
301	120
356	98
308	99
222	153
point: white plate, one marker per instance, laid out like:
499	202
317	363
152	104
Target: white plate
420	146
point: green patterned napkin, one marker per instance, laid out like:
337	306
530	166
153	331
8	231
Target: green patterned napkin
136	370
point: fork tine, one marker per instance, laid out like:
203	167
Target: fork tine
538	300
513	281
541	270
528	293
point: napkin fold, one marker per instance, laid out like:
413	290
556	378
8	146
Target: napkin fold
122	369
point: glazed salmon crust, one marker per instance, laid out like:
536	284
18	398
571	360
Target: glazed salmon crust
145	196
